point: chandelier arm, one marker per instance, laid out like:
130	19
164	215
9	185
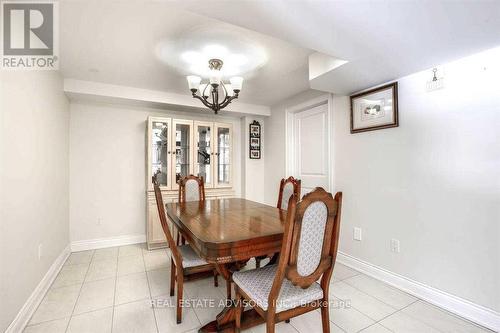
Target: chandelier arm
225	90
203	93
228	100
204	101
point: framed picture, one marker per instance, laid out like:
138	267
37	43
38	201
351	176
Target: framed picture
254	143
255	129
375	109
254	140
255	154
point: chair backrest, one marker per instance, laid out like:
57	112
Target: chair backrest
164	224
288	187
191	188
310	241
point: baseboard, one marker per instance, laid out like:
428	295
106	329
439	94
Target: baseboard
24	315
459	306
100	243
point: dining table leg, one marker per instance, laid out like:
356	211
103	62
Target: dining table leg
225	321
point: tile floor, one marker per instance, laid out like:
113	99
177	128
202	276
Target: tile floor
110	290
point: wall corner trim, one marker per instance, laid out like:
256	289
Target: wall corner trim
454	304
100	243
36	297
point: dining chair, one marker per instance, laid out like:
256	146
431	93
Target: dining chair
308	252
191	188
288	187
185	263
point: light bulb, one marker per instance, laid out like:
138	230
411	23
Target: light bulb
215	76
193	82
236	83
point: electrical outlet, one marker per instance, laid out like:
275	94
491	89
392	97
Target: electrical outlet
395	245
357	234
40	251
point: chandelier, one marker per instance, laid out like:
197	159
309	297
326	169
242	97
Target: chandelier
215	95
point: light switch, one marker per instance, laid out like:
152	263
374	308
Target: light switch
357	234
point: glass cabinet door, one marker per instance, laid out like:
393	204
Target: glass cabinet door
160	150
223	155
182	152
203	154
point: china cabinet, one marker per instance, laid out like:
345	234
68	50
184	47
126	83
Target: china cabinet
177	148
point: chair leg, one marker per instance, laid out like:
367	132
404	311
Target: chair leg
257	262
270	322
228	289
287	321
325	318
180	286
172	277
239	310
216	279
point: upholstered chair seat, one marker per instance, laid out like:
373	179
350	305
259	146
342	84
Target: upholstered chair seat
189	257
257	285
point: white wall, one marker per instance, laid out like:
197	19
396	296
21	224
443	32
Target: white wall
34	154
252	169
433	183
108	168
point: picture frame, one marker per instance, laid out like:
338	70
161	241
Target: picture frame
255	129
255	154
254	142
375	109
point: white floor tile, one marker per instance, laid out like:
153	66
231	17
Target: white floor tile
92	322
311	322
55	326
440	319
71	274
342	272
130	250
280	328
156	260
166	316
376	328
402	323
348	318
105	254
134	318
132	287
96	295
57	304
365	303
159	281
205	287
387	294
130	264
101	269
83	257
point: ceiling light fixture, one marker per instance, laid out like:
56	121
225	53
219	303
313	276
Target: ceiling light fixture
216	89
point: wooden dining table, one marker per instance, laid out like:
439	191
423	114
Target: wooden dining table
228	233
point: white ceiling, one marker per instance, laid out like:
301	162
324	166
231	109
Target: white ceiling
381	39
139	44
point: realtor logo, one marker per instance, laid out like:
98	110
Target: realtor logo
29	35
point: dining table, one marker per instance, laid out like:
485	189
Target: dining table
228	233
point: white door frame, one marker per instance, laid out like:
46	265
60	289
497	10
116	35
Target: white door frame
290	158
